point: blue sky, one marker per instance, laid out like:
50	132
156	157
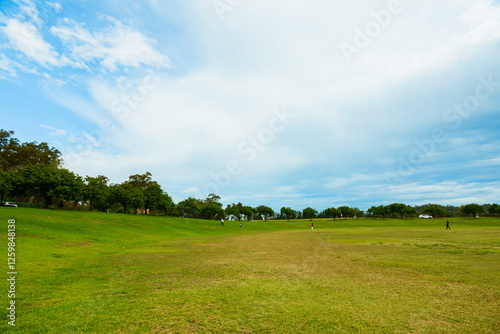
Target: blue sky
285	103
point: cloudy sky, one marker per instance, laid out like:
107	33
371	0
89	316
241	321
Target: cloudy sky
284	103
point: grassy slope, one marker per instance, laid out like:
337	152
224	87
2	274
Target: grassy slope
106	273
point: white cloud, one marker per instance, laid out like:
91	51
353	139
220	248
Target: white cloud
57	7
8	65
24	37
485	22
449	193
54	131
290	58
107	49
29	10
116	45
50	81
351	119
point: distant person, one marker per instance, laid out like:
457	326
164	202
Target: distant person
241	226
312	226
222	222
448	225
182	213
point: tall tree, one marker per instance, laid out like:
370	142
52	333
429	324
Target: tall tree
371	211
6	187
382	210
38	181
309	213
345	211
96	192
15	155
233	210
288	213
247	211
166	204
191	206
409	211
238	210
397	208
265	211
69	187
212	210
494	209
473	209
153	195
435	211
140	181
331	213
127	196
357	212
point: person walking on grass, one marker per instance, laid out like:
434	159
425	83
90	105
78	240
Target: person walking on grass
241	226
222	222
448	225
312	226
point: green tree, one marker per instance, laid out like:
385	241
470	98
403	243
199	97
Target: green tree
494	209
212	210
211	207
140	181
212	198
127	196
153	196
239	210
382	210
15	155
166	204
191	206
233	210
96	192
357	212
398	208
264	211
6	187
371	211
473	209
247	211
331	213
309	213
69	187
435	211
288	213
38	181
409	211
345	211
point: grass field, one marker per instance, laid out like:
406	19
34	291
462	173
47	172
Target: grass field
81	272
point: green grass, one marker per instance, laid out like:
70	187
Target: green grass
81	272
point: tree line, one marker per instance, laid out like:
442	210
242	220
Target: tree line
33	173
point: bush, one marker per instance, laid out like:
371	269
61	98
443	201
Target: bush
30	205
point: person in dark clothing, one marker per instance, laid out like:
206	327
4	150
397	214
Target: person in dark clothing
448	225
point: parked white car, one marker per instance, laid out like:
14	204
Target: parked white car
8	204
425	217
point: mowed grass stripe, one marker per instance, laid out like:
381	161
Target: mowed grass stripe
153	274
